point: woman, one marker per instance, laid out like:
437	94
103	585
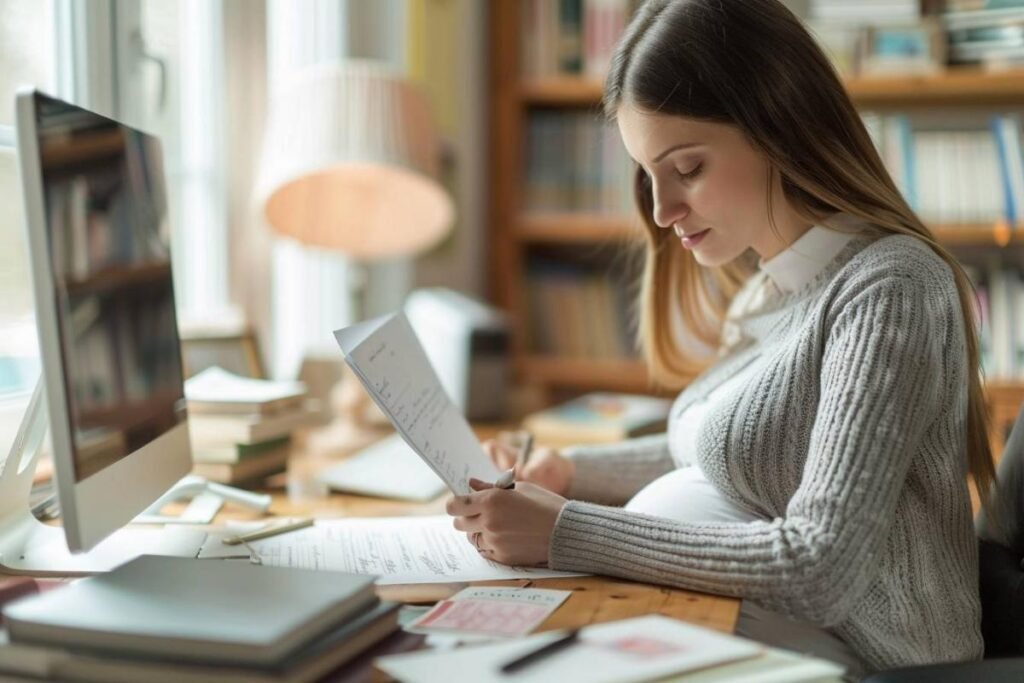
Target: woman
818	468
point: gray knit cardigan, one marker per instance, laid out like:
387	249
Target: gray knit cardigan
849	441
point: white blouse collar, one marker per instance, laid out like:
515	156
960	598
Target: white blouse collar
797	265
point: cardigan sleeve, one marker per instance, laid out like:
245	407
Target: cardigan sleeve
613	473
880	385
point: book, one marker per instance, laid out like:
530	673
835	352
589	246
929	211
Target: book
599	417
251	469
14	587
225	430
312	662
236	452
217	391
192	610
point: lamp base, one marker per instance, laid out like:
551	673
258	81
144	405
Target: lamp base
340	438
352	427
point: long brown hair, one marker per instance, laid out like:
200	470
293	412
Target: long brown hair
752	64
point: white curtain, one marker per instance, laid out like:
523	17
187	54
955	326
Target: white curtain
309	289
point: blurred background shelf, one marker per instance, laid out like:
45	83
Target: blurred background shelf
587	374
549	215
953	86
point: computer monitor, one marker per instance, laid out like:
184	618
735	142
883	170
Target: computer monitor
96	212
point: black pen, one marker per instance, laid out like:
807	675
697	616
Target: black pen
541	652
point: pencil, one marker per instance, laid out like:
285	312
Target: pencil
272	529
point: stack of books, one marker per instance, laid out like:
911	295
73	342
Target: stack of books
599	417
965	172
572	36
993	35
169	619
241	427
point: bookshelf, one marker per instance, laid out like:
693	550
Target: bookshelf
517	234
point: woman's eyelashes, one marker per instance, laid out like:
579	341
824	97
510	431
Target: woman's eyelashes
690	174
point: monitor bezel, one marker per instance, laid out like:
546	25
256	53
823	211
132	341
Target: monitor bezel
108	499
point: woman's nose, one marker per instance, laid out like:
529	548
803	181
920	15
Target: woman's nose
669	209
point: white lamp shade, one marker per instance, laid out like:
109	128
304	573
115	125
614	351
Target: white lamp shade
349	163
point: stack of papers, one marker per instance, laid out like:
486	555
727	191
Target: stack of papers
216	390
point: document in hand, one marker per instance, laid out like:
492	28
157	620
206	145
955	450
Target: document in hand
393	367
632	650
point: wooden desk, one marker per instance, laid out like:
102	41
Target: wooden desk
594	599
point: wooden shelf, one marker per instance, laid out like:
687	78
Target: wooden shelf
978	235
87	147
958	86
120	277
577	227
573	91
569	228
626	375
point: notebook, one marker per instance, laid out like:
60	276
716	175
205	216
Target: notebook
195	610
310	663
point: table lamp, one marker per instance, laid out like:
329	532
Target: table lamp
350	161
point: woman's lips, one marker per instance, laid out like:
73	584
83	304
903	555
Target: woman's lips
692	239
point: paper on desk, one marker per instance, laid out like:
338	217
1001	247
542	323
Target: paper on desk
397	549
490	611
393	367
639	649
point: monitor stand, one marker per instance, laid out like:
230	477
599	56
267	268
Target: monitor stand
27	546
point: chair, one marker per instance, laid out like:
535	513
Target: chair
1001	565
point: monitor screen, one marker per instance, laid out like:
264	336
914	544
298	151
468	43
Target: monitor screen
105	212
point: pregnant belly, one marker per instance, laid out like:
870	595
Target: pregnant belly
685	495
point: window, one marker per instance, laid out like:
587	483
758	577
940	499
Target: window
27	57
170	82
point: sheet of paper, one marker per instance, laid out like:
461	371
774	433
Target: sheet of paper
372	472
490	611
639	649
393	367
397	549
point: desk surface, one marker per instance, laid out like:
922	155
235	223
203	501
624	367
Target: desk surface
594	600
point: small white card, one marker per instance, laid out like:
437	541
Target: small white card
494	612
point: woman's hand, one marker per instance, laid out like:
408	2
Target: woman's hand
511	526
546	467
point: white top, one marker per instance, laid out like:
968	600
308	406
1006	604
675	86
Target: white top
787	271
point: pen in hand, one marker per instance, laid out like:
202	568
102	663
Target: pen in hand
507	480
544	651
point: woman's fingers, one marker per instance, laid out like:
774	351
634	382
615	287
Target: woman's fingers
468	524
463	506
502	456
